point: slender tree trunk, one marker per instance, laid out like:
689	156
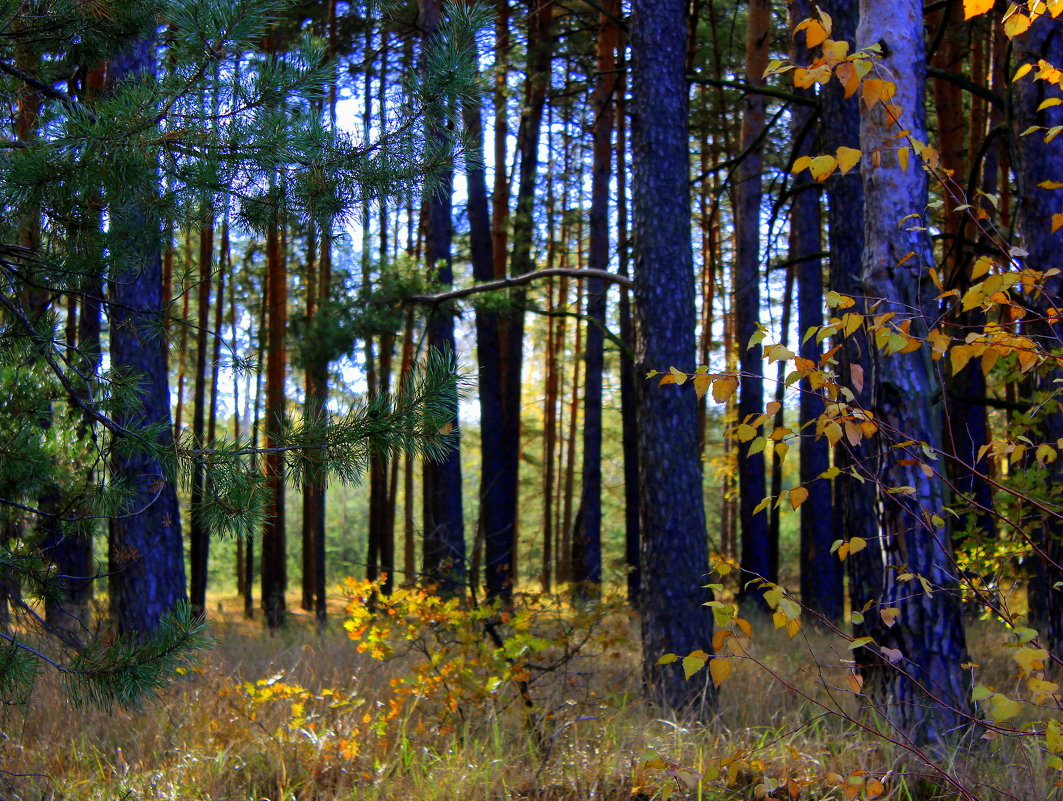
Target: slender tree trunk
822	584
198	538
674	556
500	536
757	548
588	539
628	384
444	537
274	532
488	342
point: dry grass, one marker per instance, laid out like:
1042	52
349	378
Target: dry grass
589	738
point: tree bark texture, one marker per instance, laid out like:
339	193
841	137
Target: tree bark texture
759	554
674	555
444	535
1036	161
149	569
924	693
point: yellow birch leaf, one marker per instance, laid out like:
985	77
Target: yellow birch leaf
1057	222
822	166
745	432
772	408
798	495
981	692
1050	185
834	51
855	682
874	788
848	77
667	659
815	33
1002	708
848	157
792	627
1052	101
691	665
857	544
1016	24
959	356
889	615
667	378
981	266
1030	659
972	8
724	387
679	375
851	322
902	157
1042	690
1021	71
719	669
833	433
860	642
801	163
702	382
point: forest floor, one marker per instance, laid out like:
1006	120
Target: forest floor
304	715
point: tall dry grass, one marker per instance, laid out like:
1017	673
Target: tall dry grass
589	735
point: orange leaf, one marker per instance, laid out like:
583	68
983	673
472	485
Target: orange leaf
972	8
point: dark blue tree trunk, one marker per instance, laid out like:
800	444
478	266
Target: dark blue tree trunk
148	558
444	531
822	587
1035	160
674	542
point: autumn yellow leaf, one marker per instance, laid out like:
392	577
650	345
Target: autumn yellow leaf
848	77
724	387
719	669
1002	708
1016	24
848	157
798	495
702	382
822	166
889	615
692	664
972	8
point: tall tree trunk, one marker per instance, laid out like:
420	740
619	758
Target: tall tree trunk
926	695
674	548
198	539
444	535
759	554
274	532
148	576
1036	160
628	385
588	539
500	531
822	584
488	342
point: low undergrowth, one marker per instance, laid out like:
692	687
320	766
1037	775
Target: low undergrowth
426	699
